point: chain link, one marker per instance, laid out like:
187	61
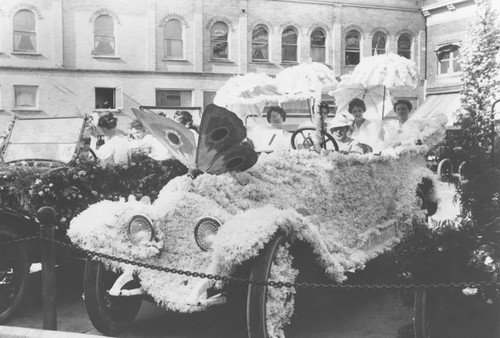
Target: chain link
94	254
19	240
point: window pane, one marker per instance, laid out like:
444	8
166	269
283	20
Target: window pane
318	38
219	50
456	66
378	43
173	98
444	66
173	48
25	96
289	37
173	30
404	42
318	54
105	98
219	31
104	45
104	25
24	42
259	51
260	34
289	53
24	21
352	40
351	58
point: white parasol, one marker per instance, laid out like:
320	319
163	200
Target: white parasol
306	81
247	94
388	70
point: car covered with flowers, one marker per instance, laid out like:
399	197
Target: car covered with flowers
347	209
47	162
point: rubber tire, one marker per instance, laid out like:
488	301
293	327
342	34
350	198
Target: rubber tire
327	135
440	169
21	272
257	294
108	321
430	314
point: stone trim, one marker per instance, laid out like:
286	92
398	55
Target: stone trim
381	29
290	24
174	16
349	28
224	19
315	25
29	6
104	11
252	25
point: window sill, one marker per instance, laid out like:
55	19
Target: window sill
27	110
289	63
449	75
105	57
257	62
26	53
221	61
175	60
113	110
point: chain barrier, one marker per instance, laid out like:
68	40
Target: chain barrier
94	254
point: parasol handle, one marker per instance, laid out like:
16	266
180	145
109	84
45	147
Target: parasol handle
383	105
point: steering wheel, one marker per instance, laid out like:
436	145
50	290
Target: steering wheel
302	138
93	154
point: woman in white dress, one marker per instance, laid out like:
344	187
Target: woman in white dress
340	126
405	132
365	131
114	151
144	143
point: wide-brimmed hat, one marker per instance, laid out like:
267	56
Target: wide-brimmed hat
339	121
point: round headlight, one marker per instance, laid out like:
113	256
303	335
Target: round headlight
204	232
140	230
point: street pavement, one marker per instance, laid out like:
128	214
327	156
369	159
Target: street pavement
319	313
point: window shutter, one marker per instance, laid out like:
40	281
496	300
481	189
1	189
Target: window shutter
119	98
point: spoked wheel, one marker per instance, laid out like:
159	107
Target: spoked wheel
302	138
445	170
110	315
430	314
269	309
14	273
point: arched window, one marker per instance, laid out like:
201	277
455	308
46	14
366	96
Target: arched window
219	40
25	31
378	43
260	44
174	48
104	35
352	51
318	40
289	45
448	59
404	46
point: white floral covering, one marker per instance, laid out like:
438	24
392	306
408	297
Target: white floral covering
356	205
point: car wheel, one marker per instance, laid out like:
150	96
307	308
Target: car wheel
14	273
430	314
445	170
269	309
110	315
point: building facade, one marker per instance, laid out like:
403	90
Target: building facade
71	57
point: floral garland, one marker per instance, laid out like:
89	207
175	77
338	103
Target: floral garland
70	190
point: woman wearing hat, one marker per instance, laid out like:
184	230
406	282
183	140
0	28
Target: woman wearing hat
115	150
340	126
364	130
406	132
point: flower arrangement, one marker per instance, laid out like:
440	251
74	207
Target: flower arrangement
71	189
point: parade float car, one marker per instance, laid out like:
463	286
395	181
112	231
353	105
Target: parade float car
229	217
47	162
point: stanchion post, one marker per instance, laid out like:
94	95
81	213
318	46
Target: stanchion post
46	216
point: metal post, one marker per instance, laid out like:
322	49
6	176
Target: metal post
46	216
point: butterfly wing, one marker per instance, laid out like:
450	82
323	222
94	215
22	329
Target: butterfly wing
178	139
238	158
219	146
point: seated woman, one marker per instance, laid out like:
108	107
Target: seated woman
405	132
366	131
143	143
114	151
340	126
184	117
276	116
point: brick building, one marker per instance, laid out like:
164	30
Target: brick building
69	57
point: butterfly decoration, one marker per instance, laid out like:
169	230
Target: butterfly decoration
219	148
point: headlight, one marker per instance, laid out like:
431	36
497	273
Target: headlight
140	230
204	232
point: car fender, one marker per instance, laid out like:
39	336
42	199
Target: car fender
20	224
243	236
